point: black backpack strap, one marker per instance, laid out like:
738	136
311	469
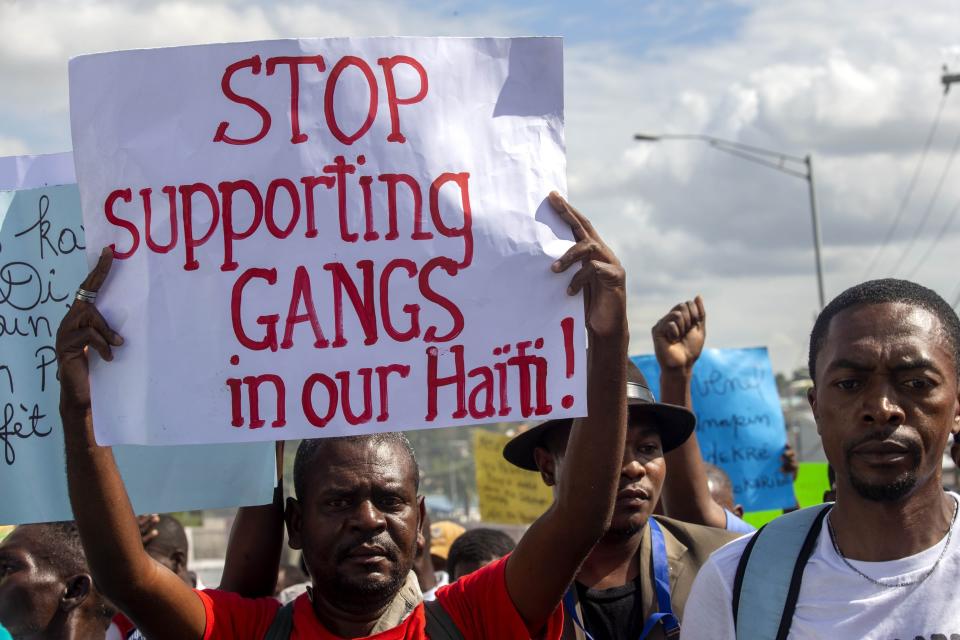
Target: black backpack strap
770	572
282	625
440	625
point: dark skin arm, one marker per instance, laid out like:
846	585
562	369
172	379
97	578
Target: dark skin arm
157	600
678	340
548	557
256	542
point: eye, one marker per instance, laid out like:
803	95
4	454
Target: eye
918	383
648	449
338	503
847	385
391	502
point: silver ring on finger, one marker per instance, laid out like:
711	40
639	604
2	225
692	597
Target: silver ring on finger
86	296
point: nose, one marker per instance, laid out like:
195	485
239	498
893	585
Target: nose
367	517
631	468
881	406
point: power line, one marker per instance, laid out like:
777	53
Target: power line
936	240
929	209
906	196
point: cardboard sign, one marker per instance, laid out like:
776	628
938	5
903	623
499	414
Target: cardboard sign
328	237
507	494
740	424
41	264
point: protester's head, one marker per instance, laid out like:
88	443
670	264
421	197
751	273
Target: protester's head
45	585
884	362
170	546
442	535
653	429
476	549
721	489
356	516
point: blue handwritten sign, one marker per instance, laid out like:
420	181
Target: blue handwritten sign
740	424
41	263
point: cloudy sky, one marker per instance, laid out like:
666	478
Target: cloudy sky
854	83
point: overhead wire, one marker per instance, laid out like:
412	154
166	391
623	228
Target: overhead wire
936	239
933	200
909	191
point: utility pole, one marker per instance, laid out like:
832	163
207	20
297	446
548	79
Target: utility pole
948	79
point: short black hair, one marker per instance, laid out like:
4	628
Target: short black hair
478	545
309	449
884	291
61	550
171	537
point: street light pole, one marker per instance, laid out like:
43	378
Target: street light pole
815	220
782	162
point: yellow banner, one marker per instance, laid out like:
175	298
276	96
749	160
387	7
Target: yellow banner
507	494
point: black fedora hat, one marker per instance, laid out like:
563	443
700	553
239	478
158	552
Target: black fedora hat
674	423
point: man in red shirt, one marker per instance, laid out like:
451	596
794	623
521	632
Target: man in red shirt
357	516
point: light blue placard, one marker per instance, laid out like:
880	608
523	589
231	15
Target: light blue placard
41	264
739	422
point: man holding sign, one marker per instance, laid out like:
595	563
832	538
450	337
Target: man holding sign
357	516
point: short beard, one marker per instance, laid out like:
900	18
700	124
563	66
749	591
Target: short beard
890	492
367	592
627	531
899	488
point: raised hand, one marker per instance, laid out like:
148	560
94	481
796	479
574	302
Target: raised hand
679	336
84	327
601	277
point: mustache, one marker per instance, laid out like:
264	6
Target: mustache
381	540
912	446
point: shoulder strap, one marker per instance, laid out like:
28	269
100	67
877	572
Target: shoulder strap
440	626
282	626
768	577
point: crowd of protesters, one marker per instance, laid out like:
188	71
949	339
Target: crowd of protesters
643	539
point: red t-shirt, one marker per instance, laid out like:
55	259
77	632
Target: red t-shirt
477	603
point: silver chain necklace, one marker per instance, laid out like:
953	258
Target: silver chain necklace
927	574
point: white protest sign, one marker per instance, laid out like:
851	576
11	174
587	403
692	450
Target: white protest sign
327	237
41	264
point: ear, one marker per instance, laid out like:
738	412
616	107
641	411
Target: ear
812	400
547	466
294	518
179	559
76	590
421	524
738	510
955	429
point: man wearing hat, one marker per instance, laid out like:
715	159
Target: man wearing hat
636	580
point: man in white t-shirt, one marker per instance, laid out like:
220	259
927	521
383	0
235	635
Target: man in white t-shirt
885	361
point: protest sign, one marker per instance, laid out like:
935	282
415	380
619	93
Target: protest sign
328	237
41	264
507	494
809	486
740	424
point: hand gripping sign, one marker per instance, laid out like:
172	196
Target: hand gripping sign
327	237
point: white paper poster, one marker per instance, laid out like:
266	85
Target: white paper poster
328	237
